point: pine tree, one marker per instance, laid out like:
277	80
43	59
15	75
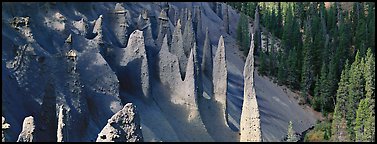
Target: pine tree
371	26
362	115
279	21
316	103
324	89
355	93
339	123
307	67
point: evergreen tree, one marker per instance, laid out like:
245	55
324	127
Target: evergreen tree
279	18
369	74
339	123
362	125
263	64
316	103
355	93
307	66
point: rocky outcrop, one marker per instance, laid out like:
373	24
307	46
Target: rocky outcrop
62	132
120	23
97	30
81	27
220	75
164	29
144	24
188	36
250	119
69	39
124	126
27	133
177	49
168	66
134	72
207	61
4	127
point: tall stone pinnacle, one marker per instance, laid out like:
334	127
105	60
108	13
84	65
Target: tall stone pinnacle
220	75
168	66
250	119
207	61
177	49
188	36
120	23
164	28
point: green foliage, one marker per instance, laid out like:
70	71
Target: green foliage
263	64
320	133
316	44
362	126
243	37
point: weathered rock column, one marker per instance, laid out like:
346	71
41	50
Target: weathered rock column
250	119
4	127
98	30
62	132
188	36
27	133
164	29
207	61
124	126
120	23
144	25
177	49
220	75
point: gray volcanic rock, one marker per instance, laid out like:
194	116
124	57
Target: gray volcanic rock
168	66
177	49
28	127
220	80
124	126
134	76
4	127
188	36
164	29
97	29
207	61
144	24
120	23
81	27
62	132
250	119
